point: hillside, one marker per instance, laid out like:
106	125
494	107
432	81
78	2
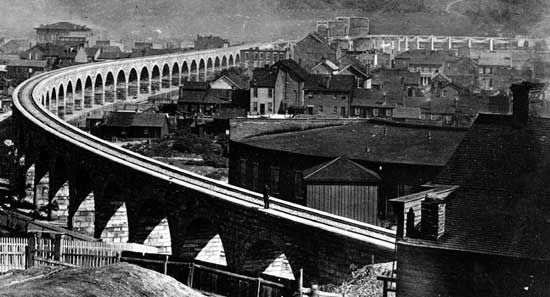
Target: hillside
245	20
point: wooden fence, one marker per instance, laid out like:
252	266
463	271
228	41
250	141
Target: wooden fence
12	253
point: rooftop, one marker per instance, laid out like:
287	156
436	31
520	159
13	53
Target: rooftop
131	119
326	82
63	26
264	78
341	170
293	67
368	141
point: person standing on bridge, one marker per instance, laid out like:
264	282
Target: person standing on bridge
266	197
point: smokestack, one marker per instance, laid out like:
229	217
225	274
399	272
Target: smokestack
520	104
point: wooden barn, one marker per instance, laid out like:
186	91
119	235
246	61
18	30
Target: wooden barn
344	188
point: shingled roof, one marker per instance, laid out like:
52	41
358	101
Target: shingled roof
368	141
327	82
292	67
264	78
502	205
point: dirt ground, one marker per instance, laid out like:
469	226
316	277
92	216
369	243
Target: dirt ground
118	280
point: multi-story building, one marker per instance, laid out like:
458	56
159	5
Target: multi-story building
257	58
207	42
328	95
312	49
262	91
63	32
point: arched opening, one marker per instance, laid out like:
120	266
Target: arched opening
78	93
47	100
175	75
88	93
121	86
237	59
526	44
165	76
144	81
217	65
202	70
110	88
42	100
53	102
193	73
266	258
209	69
111	217
98	90
61	102
184	72
202	242
224	62
231	62
155	80
69	99
133	84
149	225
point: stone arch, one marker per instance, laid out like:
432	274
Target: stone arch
194	76
184	71
217	65
110	87
78	94
148	223
175	74
267	256
165	80
209	67
155	79
111	216
69	98
231	61
121	86
88	93
202	70
237	59
98	90
144	81
47	104
81	209
53	101
133	84
202	241
61	101
224	62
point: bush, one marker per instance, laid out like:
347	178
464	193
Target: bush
214	160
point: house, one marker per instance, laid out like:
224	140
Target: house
258	58
262	91
21	70
57	56
289	87
198	98
358	189
372	58
397	83
191	97
372	103
351	66
328	95
63	32
325	67
311	50
208	42
15	46
133	125
404	156
483	228
443	86
229	81
426	62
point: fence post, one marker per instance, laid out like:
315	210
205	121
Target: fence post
166	265
259	287
58	247
190	275
301	283
30	251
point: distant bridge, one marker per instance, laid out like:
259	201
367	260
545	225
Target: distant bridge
98	179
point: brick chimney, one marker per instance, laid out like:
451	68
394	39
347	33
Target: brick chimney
432	220
520	105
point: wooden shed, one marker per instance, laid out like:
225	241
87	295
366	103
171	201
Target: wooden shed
344	188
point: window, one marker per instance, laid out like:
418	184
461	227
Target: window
275	180
255	176
255	106
375	112
270	92
246	56
267	56
242	172
388	112
335	109
320	108
270	107
255	95
343	111
298	184
344	97
261	56
444	93
256	57
357	111
490	83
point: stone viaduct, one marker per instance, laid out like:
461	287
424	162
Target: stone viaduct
117	195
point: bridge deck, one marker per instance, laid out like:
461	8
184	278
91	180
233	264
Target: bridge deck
33	111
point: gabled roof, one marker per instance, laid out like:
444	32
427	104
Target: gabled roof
63	26
235	81
195	85
327	63
264	78
52	50
327	82
347	61
289	65
92	51
341	170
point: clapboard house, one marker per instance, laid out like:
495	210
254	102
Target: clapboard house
393	157
484	229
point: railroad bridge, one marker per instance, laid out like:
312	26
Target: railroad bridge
98	179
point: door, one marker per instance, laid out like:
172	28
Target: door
262	108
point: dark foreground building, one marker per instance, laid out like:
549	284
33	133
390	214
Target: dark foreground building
488	232
391	159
